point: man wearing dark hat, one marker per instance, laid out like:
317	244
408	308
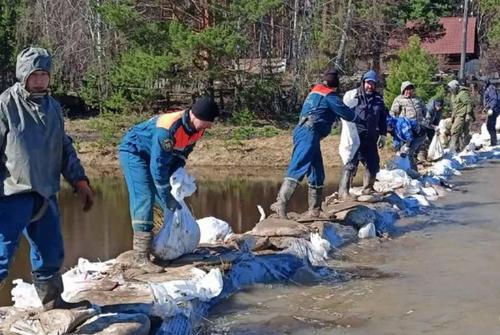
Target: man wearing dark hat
372	131
149	154
35	152
321	108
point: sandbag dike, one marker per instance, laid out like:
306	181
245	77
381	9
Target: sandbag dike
275	251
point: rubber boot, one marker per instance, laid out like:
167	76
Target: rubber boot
368	182
49	291
314	198
284	194
141	244
345	185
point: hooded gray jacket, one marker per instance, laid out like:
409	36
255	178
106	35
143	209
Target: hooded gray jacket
34	148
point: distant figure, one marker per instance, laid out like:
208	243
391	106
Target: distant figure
320	110
407	137
430	123
462	116
149	154
372	131
407	104
35	152
491	102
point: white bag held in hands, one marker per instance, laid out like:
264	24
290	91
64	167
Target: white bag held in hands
349	138
435	151
180	233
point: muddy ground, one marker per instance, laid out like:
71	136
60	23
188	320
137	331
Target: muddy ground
235	157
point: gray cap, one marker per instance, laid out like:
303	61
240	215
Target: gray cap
405	85
453	84
30	60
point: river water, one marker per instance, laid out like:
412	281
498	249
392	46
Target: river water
105	231
439	275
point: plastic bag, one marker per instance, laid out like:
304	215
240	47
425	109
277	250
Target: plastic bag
367	231
350	99
349	141
180	233
213	230
435	151
24	295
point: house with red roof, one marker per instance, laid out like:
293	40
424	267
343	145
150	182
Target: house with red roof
446	44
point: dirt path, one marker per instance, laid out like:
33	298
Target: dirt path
227	156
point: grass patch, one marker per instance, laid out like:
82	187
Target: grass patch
111	127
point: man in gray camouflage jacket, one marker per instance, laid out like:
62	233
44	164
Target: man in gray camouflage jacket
407	104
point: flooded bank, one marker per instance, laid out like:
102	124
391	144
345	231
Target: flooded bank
105	231
442	278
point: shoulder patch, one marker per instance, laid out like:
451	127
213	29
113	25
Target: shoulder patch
168	145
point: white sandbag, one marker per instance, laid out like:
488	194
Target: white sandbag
316	250
180	233
497	124
349	141
203	286
24	295
350	99
421	200
367	231
436	150
213	230
389	180
81	277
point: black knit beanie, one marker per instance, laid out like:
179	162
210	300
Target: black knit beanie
205	109
331	77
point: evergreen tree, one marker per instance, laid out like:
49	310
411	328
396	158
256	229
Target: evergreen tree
413	64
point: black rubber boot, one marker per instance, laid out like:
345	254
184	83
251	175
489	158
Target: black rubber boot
284	194
368	182
141	260
345	185
49	291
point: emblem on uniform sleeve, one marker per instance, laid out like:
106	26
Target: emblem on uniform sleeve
168	145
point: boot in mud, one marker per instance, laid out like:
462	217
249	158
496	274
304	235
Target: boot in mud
368	182
284	194
345	185
314	197
141	244
49	291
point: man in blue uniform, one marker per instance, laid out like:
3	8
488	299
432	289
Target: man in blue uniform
321	108
149	154
372	131
35	152
491	103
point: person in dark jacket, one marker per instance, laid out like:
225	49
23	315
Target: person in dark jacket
372	131
434	110
491	102
320	110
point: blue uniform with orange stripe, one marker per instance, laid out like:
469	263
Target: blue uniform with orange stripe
149	154
320	110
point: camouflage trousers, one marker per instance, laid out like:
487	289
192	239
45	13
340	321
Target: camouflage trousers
460	133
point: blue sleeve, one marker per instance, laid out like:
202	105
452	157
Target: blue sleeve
336	105
72	169
491	98
163	162
382	121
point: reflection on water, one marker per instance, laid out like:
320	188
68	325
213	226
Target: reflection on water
105	231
